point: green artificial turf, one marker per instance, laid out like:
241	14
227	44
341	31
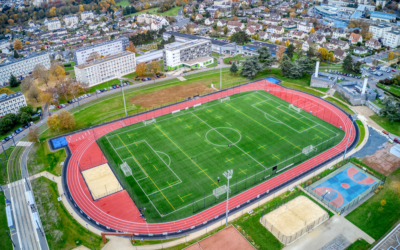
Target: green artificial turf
176	161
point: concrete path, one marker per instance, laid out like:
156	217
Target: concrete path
118	243
322	235
366	112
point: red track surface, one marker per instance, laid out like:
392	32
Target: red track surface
117	211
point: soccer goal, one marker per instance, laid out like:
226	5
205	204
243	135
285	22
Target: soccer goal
149	121
291	106
224	99
308	149
126	169
220	190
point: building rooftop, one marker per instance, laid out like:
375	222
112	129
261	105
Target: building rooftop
382	15
256	45
104	59
187	44
194	37
4	97
356	15
100	44
197	60
32	55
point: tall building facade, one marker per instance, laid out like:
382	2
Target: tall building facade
11	103
108	48
196	53
54	24
22	67
105	69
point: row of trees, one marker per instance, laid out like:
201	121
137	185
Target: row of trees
351	67
143	69
145	37
8	121
64	120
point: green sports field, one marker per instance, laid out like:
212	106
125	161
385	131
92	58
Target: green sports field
176	161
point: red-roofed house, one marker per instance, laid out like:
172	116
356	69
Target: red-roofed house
355	38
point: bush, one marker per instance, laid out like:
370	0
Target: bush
67	65
35	118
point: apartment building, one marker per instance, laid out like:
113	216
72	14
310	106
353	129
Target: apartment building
54	24
4	44
107	68
108	48
11	103
22	67
391	38
87	14
305	26
71	20
193	54
379	30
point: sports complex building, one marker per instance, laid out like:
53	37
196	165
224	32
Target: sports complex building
168	162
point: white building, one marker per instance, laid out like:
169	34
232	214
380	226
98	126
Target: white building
146	18
22	67
305	26
379	30
87	14
193	54
4	44
38	2
105	69
11	103
54	24
391	38
108	48
71	20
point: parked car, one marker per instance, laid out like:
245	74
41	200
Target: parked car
70	101
393	70
385	132
18	131
59	106
110	88
98	91
3	141
13	134
144	79
7	139
89	95
396	140
148	78
127	83
105	89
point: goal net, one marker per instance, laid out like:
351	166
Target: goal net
149	121
126	169
220	190
291	106
224	99
308	149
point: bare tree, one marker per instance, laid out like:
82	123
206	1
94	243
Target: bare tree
33	134
45	77
85	86
37	71
74	88
34	93
62	88
26	84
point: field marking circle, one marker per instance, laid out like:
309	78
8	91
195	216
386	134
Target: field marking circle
271	120
240	136
169	163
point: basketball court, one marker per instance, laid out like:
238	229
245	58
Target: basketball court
344	186
101	181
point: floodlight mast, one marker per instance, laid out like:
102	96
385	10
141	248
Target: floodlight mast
228	174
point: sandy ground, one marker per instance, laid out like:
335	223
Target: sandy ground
382	160
101	181
294	216
170	94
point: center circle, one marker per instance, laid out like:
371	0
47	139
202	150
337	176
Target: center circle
345	185
223	136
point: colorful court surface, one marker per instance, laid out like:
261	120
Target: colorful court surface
345	186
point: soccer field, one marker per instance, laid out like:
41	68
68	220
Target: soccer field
174	163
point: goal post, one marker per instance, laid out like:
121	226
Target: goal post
126	169
146	122
296	109
224	99
308	149
220	191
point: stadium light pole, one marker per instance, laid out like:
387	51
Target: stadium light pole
228	174
123	95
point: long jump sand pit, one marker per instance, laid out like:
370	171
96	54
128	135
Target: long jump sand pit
228	238
294	219
101	181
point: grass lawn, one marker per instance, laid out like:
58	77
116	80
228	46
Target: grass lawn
16	126
321	89
378	103
16	89
338	96
123	3
362	132
369	216
340	104
42	159
173	185
214	64
386	124
131	75
4	159
215	54
360	244
171	12
69	67
238	58
392	88
5	242
74	234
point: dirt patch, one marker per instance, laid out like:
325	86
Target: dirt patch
382	160
169	95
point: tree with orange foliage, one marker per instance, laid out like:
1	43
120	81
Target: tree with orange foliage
312	30
292	14
131	47
141	69
10	21
17	44
146	6
81	9
235	18
280	52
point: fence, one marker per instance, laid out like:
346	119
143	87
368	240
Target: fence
236	89
288	239
333	205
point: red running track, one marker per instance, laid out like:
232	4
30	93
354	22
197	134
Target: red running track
117	211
